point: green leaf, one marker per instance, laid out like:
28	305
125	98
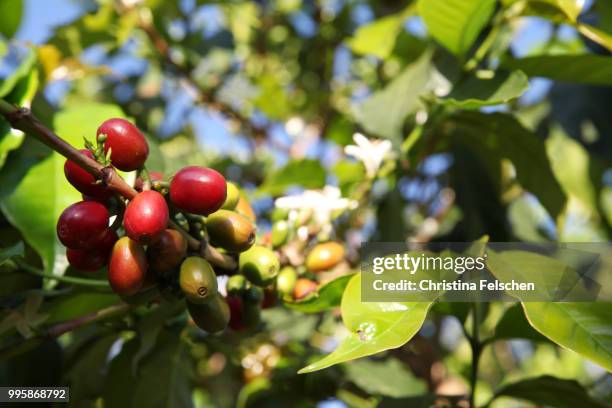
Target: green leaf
514	325
556	10
388	378
373	326
551	392
162	381
384	112
150	326
34	191
500	136
456	23
580	68
10	16
553	279
349	174
306	173
86	376
15	250
272	98
77	304
327	297
575	169
581	327
474	92
378	37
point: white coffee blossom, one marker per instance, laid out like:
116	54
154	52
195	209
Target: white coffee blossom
370	152
322	203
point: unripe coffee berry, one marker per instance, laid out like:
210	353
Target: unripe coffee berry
259	265
324	256
198	190
129	148
211	316
232	197
128	267
83	181
230	230
83	225
146	217
198	280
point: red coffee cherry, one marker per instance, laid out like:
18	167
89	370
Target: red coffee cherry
83	181
129	148
198	190
154	176
93	259
128	267
83	225
86	261
236	307
146	217
167	252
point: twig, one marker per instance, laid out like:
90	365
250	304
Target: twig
23	119
62	328
68	279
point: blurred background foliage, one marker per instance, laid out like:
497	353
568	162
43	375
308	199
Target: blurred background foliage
498	114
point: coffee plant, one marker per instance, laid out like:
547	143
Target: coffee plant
186	188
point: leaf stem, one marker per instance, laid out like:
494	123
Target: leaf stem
62	328
477	347
67	279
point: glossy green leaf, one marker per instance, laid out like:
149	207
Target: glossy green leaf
580	68
149	327
326	297
474	92
575	169
78	304
11	12
514	325
456	23
383	113
378	37
500	136
388	378
305	172
373	326
551	392
581	327
35	191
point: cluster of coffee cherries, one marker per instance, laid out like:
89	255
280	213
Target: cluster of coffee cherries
142	252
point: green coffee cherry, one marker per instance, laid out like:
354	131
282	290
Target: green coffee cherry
197	280
212	316
259	265
233	195
236	285
253	295
230	230
280	233
285	281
